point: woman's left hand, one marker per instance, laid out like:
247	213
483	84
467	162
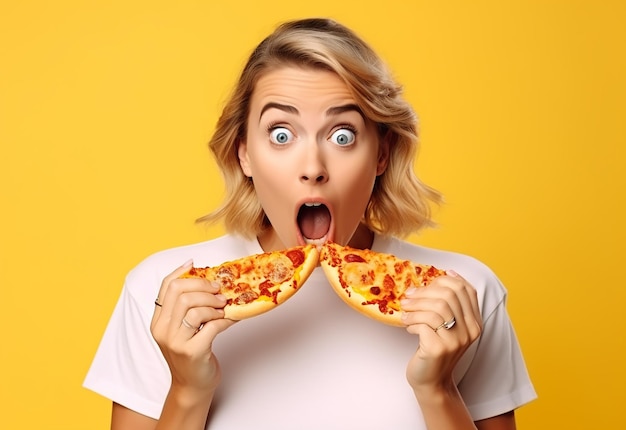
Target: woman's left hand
429	313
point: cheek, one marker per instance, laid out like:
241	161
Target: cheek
356	189
271	178
361	194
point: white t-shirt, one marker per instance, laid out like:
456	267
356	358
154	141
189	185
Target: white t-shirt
313	362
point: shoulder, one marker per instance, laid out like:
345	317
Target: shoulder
490	290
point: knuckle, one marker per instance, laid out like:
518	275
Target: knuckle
191	315
442	306
185	300
176	284
412	329
448	293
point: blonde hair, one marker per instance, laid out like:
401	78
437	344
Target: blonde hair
400	202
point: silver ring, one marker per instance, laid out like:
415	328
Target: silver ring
188	325
447	324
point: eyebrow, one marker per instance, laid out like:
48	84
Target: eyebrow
284	108
337	110
332	111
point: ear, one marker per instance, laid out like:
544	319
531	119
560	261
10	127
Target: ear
244	161
383	154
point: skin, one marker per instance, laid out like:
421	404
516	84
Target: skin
314	111
303	130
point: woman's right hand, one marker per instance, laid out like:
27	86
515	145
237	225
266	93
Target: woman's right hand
184	327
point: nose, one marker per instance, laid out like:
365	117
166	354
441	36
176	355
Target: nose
313	165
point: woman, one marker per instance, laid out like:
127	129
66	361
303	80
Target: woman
316	143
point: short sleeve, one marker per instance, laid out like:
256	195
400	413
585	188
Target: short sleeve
497	380
128	367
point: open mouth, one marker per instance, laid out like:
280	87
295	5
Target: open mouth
314	222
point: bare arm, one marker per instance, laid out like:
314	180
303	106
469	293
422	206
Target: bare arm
444	409
123	418
188	315
448	411
447	319
501	422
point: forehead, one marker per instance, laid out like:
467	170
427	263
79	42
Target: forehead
301	88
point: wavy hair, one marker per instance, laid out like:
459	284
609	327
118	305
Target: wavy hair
400	203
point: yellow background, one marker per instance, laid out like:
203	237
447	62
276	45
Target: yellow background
106	107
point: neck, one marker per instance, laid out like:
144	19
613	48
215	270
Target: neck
363	238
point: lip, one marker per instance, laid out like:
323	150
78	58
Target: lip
331	230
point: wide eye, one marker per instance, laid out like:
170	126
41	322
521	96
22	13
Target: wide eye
281	135
343	137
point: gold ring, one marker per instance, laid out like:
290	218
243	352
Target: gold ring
188	325
447	324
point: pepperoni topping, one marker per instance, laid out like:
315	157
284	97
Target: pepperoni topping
353	258
388	283
383	305
432	271
279	270
246	297
401	266
296	256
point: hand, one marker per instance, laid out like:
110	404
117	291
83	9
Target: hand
425	312
184	327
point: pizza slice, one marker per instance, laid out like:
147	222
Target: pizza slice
258	283
372	282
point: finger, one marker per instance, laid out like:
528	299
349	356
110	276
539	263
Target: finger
459	294
439	297
446	299
468	298
205	308
431	311
210	330
429	318
194	295
180	296
160	298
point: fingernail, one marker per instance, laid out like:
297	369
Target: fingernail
221	297
410	292
451	273
188	263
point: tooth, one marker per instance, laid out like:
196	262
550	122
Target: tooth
312	204
317	242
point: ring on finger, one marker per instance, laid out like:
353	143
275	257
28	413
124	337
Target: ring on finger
447	324
188	324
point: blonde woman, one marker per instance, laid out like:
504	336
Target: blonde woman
316	143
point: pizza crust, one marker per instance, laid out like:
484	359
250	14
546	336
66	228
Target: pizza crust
287	290
242	280
373	283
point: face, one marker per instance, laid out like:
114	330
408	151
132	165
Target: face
312	155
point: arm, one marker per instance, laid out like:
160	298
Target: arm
178	416
447	319
124	418
186	320
505	421
448	411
